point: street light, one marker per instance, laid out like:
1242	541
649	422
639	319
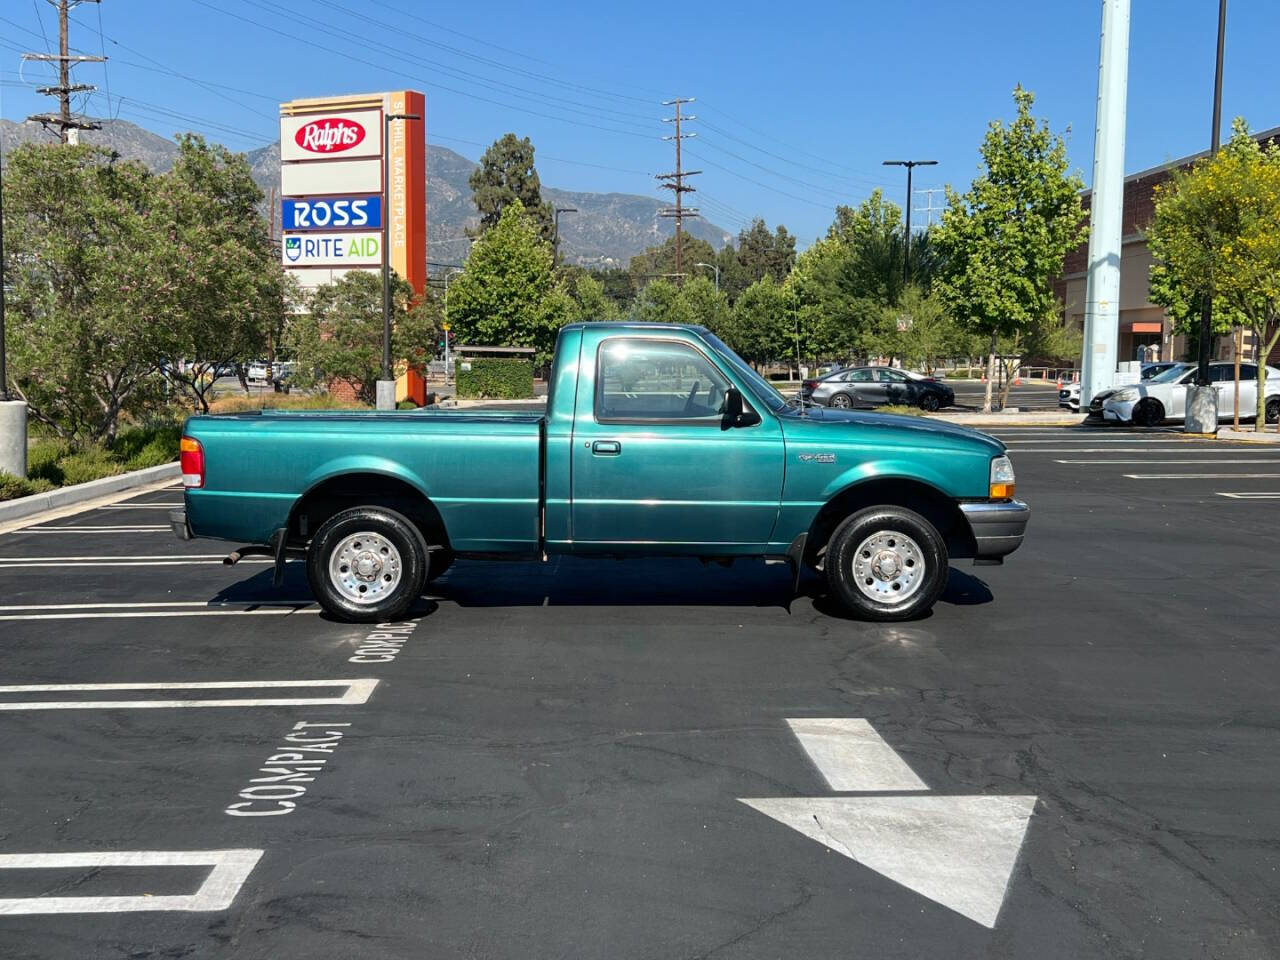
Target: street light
387	386
13	413
555	245
712	266
448	273
910	165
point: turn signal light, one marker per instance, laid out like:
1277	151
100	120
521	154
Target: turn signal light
1001	491
191	457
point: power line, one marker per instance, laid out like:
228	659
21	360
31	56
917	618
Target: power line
675	183
68	126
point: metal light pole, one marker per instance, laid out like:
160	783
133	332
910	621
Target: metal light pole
449	273
1202	399
13	413
387	385
910	165
712	266
1106	207
555	245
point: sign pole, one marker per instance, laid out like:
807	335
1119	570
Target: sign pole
386	395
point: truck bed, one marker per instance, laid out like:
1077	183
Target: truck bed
483	471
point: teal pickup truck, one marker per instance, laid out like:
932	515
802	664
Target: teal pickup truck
657	440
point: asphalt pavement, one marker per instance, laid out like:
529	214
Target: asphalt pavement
1073	756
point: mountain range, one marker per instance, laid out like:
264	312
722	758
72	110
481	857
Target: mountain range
608	229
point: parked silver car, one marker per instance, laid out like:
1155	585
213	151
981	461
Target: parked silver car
869	387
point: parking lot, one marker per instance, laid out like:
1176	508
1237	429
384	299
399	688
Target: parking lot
1073	756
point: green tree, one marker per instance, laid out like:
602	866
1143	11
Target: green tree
617	285
762	253
219	254
87	289
1004	241
761	327
508	294
1217	227
590	303
339	337
660	302
707	305
922	332
660	261
506	174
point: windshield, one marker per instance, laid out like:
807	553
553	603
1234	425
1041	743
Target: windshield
1171	375
762	388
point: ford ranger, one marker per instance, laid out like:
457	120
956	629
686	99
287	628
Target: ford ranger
657	440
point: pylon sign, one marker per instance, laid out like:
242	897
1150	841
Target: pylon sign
333	154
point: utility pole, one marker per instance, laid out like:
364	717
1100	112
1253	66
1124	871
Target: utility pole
386	387
929	210
13	413
910	165
68	126
675	183
555	244
1106	207
1202	399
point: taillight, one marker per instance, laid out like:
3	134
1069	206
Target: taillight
191	457
811	384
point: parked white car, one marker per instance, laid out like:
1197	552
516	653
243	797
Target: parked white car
1069	396
1164	396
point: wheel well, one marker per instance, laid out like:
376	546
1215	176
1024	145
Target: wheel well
931	503
365	489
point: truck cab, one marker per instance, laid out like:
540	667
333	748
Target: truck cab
657	440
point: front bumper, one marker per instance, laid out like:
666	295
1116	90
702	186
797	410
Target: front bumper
178	523
997	527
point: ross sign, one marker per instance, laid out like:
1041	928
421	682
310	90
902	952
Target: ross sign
336	249
332	134
324	213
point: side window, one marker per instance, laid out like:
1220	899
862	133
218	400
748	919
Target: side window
859	376
885	375
1222	372
1248	371
639	379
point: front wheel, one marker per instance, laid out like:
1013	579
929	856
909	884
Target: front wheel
886	564
367	564
1273	409
929	402
1148	413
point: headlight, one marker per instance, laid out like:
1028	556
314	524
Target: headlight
1001	486
1125	396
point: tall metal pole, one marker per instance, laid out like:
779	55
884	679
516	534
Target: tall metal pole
1106	207
555	245
4	375
1215	141
386	395
712	266
910	165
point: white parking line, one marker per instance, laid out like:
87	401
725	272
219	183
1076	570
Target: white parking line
142	506
1166	461
1181	448
358	692
194	604
7	565
230	869
136	556
1251	496
151	614
1203	476
116	528
852	756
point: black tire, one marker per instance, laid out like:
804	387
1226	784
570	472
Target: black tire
841	401
1273	409
1148	413
394	531
926	547
441	561
929	401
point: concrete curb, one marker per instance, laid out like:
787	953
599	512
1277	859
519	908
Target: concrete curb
1247	436
23	507
464	404
1009	419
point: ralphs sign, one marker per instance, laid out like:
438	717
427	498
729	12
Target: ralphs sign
329	135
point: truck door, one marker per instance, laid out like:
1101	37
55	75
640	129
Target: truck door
654	468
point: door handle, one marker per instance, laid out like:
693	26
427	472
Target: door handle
606	448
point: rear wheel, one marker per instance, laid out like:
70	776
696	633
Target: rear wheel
367	564
842	401
886	564
1273	409
1148	413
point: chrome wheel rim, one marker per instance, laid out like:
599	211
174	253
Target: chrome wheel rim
888	567
365	567
840	400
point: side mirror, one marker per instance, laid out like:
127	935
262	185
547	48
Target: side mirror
736	413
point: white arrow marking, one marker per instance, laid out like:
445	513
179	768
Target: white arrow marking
957	851
852	756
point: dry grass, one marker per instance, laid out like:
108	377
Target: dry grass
239	403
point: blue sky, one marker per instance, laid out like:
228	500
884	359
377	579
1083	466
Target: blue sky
798	103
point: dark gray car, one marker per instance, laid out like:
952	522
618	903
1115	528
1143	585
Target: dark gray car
877	386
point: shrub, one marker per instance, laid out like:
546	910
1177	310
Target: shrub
11	487
147	446
282	401
902	409
89	463
42	460
496	378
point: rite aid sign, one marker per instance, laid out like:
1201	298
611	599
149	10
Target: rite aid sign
327	213
333	249
353	134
